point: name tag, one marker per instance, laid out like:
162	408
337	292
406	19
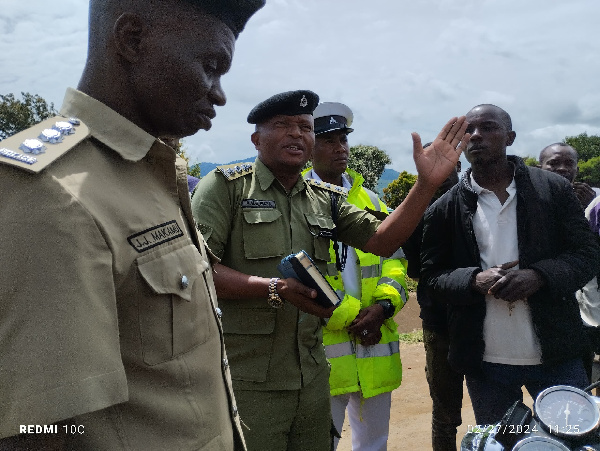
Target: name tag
154	236
258	203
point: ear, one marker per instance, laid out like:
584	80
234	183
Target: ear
255	138
511	138
127	34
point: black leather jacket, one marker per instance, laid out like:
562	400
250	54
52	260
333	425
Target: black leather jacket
554	238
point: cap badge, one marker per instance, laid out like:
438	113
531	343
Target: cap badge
303	101
332	120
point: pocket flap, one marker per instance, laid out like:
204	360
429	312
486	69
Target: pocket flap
251	321
174	271
258	216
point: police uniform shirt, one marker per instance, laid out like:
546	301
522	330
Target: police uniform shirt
251	223
108	305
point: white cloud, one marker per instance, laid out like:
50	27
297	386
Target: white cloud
401	66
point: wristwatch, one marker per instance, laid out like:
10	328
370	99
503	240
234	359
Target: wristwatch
273	299
388	308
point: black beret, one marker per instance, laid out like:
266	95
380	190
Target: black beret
290	103
233	13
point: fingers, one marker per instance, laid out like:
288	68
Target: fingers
509	265
417	145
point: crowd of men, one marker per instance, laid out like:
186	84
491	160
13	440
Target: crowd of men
135	318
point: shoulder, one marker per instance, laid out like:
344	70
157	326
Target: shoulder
326	187
235	171
37	147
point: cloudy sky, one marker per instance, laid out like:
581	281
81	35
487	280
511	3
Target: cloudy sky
401	65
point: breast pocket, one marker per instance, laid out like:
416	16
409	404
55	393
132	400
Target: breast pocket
321	228
177	315
263	234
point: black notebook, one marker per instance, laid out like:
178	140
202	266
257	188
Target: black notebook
300	266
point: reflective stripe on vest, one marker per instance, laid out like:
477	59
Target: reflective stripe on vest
378	350
397	255
396	285
374	199
339	350
368	272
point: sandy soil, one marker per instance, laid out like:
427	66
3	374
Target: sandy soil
410	423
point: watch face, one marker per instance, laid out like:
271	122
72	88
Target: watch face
567	411
539	444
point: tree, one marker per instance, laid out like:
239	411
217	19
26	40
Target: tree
369	161
587	147
396	191
531	161
177	144
589	171
17	115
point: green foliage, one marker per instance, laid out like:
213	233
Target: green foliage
589	171
194	169
411	284
396	191
587	147
369	161
17	115
531	161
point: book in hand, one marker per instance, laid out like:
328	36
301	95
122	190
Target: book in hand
300	266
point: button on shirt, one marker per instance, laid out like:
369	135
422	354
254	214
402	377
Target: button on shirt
508	330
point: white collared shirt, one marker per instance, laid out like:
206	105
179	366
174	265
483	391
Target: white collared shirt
507	329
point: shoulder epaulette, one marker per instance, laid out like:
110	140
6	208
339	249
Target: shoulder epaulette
328	186
236	170
41	144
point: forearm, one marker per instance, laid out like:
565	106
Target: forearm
401	223
233	284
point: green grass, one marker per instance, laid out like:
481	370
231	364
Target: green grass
412	337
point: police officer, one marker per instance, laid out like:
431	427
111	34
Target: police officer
253	215
361	337
110	334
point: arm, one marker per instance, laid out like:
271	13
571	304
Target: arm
445	281
434	164
232	284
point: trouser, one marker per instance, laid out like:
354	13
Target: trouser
369	419
501	386
445	389
287	420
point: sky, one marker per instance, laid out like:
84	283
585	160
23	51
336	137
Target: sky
400	65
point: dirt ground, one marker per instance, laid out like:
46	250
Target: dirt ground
410	422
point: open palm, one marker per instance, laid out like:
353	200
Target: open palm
436	161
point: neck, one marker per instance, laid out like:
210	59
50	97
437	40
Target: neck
494	177
334	179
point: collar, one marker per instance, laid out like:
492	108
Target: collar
266	178
346	178
108	126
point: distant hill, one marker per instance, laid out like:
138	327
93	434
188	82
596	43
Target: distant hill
205	168
389	175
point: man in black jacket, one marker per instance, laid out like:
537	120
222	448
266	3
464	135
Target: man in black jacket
506	249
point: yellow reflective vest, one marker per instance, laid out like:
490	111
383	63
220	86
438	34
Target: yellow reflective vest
370	369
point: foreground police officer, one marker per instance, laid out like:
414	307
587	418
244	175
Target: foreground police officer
253	215
109	332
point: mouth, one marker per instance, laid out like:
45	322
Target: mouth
294	148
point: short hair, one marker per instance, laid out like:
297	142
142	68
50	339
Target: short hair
560	144
504	116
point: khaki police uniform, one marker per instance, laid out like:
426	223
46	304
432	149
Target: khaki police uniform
251	223
108	314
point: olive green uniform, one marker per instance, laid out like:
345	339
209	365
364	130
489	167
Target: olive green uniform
108	314
251	223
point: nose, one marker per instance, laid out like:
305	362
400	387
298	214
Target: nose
217	94
294	130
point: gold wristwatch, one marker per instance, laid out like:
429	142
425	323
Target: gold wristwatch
273	299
